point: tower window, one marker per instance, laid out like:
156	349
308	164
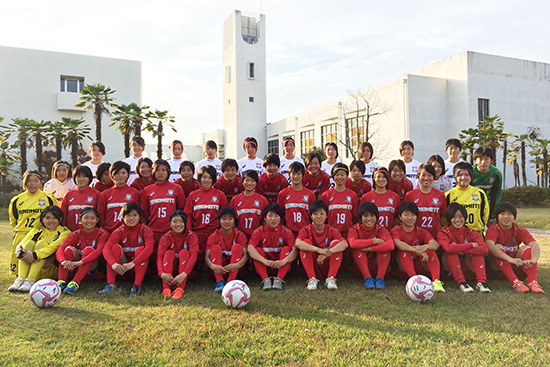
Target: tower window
250	99
251	70
228	74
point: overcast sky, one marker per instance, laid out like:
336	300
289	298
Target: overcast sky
316	49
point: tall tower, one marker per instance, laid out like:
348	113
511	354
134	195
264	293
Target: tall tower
244	83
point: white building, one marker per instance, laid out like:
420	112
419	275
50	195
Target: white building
430	105
44	85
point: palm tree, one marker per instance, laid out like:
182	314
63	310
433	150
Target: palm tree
155	125
38	130
77	130
21	128
129	119
7	160
58	137
98	98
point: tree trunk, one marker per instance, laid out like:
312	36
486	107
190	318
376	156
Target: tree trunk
517	182
39	156
504	154
23	149
97	118
137	127
127	143
74	152
159	143
523	174
545	167
58	148
472	156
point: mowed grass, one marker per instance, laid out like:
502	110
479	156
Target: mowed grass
535	217
346	327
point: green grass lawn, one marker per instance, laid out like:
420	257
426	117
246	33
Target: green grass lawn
534	217
346	327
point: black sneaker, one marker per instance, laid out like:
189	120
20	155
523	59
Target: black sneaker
136	291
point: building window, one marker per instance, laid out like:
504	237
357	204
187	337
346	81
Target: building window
228	74
328	133
482	108
357	132
273	146
250	99
221	152
307	141
72	84
251	70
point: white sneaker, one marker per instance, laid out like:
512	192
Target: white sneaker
26	286
277	284
266	284
16	285
483	288
465	287
330	283
312	284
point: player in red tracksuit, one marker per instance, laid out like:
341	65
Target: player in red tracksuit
226	250
144	170
431	202
356	183
230	184
180	247
314	179
415	245
398	182
271	182
504	239
249	205
202	206
460	242
295	199
81	250
271	248
104	180
372	245
112	200
341	201
186	181
161	199
385	200
81	197
321	248
128	247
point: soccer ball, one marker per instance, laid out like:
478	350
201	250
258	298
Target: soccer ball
236	294
420	288
45	293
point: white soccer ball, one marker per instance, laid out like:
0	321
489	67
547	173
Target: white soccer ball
420	288
45	293
236	294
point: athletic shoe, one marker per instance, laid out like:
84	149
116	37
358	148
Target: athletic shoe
465	287
62	284
135	292
19	251
107	288
267	284
16	285
71	287
312	284
166	292
483	287
380	283
369	283
177	293
519	286
534	286
330	283
26	286
277	284
438	286
219	286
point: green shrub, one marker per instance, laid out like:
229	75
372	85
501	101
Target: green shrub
532	195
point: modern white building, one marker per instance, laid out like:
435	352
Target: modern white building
428	106
44	85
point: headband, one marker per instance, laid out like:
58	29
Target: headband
250	142
89	210
383	170
161	164
31	173
287	140
340	168
56	211
61	164
470	172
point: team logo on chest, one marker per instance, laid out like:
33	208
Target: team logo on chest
170	192
281	242
89	200
140	240
306	198
491	180
435	201
214	199
41	202
256	203
278	187
390	201
128	197
475	197
348	199
236	189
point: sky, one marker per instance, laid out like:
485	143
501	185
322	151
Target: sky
317	50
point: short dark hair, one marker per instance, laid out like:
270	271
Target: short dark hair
98	144
453	142
383	171
397	163
274	208
228	210
162	163
138	139
297	167
426	167
251	140
505	206
229	162
130	207
101	169
451	210
463	166
332	144
367	207
117	166
251	174
405	143
272	158
484	152
148	161
339	167
82	170
408	206
362	147
55	211
311	156
187	164
211	172
316	206
181	214
439	159
359	164
211	144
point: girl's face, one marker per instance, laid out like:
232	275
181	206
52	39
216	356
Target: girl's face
82	181
50	221
250	150
407	152
397	174
211	152
438	169
177	151
356	174
33	183
62	173
506	219
408	219
314	166
106	179
121	177
340	177
230	173
206	181
249	184
368	220
296	177
227	222
289	148
145	170
463	178
425	179
136	149
96	153
178	225
453	152
272	220
366	154
330	152
458	220
161	174
89	221
131	219
272	169
380	180
186	173
319	217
